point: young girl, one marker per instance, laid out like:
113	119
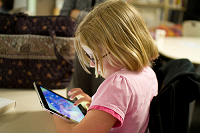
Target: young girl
114	40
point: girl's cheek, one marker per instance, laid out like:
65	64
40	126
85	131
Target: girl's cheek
92	64
99	69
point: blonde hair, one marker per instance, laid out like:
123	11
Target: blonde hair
116	28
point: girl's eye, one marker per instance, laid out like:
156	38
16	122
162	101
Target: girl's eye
91	58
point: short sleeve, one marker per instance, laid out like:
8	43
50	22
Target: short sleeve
114	94
113	113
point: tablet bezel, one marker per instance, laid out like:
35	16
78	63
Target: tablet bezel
44	104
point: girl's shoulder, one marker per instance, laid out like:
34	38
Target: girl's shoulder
133	78
147	71
125	77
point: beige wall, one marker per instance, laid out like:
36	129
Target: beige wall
45	7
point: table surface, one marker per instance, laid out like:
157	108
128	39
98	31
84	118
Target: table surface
28	116
181	47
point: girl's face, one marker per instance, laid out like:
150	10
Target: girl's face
108	68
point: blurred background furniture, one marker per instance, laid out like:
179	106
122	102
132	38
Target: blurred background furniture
181	47
156	11
191	28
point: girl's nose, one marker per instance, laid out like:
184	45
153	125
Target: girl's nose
92	64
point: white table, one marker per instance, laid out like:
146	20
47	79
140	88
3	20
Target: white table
181	47
28	116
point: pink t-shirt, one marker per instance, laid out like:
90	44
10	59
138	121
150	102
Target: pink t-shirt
127	95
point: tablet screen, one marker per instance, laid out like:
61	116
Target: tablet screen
54	103
62	105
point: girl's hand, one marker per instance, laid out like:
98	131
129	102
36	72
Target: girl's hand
83	98
74	13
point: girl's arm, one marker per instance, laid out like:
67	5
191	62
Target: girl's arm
95	121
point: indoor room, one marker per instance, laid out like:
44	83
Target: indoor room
60	59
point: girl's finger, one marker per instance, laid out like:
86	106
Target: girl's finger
74	90
79	101
77	94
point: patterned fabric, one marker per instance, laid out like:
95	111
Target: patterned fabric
38	25
28	58
30	51
35	47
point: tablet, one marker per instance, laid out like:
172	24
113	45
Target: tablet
58	105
